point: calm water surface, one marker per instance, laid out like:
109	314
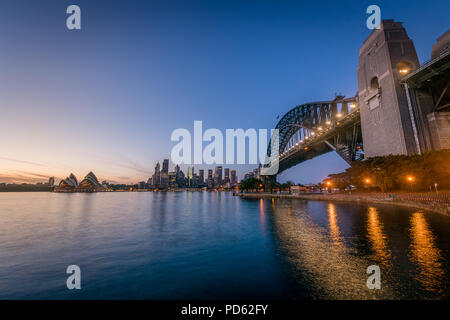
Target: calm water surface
213	245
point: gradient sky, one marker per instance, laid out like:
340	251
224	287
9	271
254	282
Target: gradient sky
108	97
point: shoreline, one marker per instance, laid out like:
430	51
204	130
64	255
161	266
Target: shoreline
441	208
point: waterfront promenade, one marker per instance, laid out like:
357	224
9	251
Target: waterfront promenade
426	201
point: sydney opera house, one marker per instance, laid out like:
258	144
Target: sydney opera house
88	184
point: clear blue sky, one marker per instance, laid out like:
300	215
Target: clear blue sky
107	98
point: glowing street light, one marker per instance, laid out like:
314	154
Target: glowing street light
367	181
410	179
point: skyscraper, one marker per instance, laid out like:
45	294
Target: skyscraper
190	176
210	181
51	181
201	176
227	175
157	176
233	177
218	176
165	166
165	174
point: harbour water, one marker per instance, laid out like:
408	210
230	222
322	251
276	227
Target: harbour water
209	245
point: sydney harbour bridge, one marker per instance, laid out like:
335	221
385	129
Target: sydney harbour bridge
401	107
315	128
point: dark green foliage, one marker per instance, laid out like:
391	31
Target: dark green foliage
391	172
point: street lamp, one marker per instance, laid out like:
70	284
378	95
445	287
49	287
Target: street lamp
436	188
410	179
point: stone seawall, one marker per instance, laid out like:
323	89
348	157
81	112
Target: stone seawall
441	208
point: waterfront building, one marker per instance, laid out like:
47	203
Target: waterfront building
201	176
89	184
210	181
227	175
51	181
218	176
233	177
142	185
190	176
157	176
165	174
68	184
172	178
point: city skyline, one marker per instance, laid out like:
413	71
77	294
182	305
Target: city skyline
220	63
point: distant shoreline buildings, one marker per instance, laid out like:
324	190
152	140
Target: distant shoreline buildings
162	179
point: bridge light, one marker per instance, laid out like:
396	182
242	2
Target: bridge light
306	138
367	181
305	148
404	71
352	105
320	128
410	179
301	141
312	133
328	122
296	144
338	115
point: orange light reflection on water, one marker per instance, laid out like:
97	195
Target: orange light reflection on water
425	254
377	238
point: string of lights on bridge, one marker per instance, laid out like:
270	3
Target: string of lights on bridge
320	130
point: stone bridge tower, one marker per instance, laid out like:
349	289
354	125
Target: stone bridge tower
387	122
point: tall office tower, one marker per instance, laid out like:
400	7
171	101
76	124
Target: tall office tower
387	122
218	176
150	181
190	176
165	174
227	175
177	168
181	179
201	176
157	175
233	177
51	181
210	181
165	166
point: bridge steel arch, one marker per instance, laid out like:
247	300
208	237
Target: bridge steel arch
315	128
